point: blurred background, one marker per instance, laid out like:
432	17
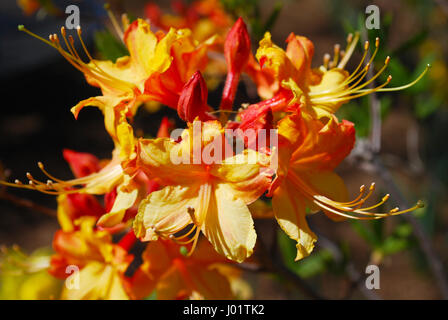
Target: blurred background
403	150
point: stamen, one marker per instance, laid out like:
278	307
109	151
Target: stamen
327	58
114	21
352	87
350	209
73	58
103	177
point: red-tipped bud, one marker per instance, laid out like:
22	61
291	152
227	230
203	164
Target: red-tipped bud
193	99
237	54
237	47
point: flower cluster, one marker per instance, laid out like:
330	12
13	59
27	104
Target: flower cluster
185	194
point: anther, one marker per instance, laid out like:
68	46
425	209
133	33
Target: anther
366	45
349	38
377	42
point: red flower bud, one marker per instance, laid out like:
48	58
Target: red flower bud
237	47
193	99
237	54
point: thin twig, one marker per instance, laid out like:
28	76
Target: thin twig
375	107
25	203
353	275
434	261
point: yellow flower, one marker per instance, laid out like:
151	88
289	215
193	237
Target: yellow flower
212	196
319	92
25	276
175	276
101	263
158	66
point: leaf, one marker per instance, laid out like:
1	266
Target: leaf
109	47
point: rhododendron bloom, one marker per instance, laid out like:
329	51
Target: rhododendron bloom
175	276
309	151
211	196
319	91
101	263
156	69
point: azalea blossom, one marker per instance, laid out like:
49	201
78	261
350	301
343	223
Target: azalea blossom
320	91
175	276
101	263
309	151
211	197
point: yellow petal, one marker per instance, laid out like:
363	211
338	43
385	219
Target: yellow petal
209	283
275	59
63	214
163	159
123	202
149	53
97	281
228	224
331	84
289	209
246	173
165	212
328	184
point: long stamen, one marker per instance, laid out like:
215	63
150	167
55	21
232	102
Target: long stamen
351	45
344	210
107	174
114	21
72	56
352	87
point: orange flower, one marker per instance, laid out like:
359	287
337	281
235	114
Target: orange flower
101	263
309	151
175	276
209	193
320	91
204	17
158	66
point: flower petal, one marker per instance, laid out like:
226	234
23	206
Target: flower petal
164	212
246	174
228	224
289	209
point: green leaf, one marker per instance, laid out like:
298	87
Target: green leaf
109	47
367	234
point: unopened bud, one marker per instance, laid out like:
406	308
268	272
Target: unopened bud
193	99
237	47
